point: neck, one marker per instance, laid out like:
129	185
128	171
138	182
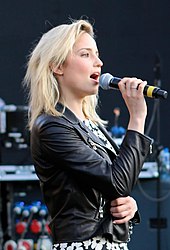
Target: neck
77	108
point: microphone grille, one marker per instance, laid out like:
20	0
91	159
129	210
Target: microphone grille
104	81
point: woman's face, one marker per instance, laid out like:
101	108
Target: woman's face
82	68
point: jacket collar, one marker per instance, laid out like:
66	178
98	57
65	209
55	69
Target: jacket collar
70	116
67	113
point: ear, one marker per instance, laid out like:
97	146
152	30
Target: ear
58	70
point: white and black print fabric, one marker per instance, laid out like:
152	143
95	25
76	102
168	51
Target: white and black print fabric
94	128
96	243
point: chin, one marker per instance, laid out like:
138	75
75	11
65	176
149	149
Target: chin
93	91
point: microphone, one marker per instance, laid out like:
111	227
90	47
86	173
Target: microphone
107	81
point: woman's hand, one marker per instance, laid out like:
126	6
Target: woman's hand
132	93
123	209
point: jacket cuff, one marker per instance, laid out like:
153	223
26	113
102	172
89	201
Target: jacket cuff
136	219
146	139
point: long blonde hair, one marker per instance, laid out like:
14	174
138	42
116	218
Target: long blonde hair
52	49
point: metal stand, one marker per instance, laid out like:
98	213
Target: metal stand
156	113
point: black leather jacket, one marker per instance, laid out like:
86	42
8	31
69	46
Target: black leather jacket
79	176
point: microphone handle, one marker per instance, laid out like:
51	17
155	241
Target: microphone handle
154	92
149	91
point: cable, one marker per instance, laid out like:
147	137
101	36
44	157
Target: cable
156	199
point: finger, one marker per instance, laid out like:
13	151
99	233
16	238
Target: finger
121	221
122	211
134	88
129	86
132	84
128	207
122	84
119	208
121	201
141	87
122	214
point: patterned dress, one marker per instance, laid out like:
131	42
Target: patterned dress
95	243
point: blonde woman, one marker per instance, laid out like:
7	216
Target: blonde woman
85	178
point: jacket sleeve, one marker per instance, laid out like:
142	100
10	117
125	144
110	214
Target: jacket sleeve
58	148
127	165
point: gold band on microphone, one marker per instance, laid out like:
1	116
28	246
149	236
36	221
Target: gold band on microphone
150	91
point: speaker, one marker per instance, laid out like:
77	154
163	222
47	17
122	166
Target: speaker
153	199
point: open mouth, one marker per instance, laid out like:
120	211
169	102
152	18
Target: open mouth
95	76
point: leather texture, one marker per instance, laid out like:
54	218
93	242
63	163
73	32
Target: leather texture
79	176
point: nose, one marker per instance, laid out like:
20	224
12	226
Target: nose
98	62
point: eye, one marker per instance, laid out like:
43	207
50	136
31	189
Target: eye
85	54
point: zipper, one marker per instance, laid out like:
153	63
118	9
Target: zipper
150	148
95	145
101	206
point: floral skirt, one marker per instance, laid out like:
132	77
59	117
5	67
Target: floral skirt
96	243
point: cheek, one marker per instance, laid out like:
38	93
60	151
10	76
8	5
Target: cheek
76	66
83	67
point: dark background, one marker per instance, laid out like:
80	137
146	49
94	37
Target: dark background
129	35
